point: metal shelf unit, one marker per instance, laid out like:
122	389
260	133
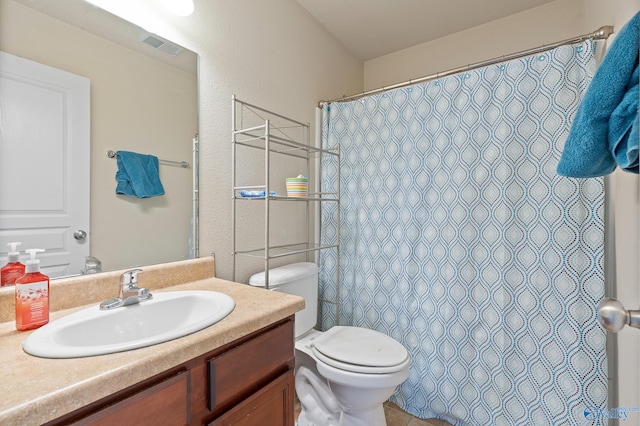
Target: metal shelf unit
276	134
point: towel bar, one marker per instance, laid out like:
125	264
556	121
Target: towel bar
183	164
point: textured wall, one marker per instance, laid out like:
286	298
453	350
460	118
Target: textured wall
550	22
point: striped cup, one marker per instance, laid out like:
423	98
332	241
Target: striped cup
297	186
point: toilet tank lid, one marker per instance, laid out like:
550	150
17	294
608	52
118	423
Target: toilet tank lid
285	274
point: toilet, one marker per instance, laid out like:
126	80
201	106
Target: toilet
342	375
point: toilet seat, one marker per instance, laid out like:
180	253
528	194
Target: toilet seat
360	350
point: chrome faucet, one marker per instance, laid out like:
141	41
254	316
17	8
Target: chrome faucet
129	293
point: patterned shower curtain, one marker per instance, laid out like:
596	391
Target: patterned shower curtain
459	240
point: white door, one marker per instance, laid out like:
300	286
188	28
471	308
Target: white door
44	163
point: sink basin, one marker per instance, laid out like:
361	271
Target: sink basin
90	332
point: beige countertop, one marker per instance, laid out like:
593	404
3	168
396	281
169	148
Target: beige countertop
36	390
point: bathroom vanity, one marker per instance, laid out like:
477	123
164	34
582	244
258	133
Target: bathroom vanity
237	371
250	379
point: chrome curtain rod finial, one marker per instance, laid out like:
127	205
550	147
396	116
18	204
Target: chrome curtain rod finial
603	32
184	164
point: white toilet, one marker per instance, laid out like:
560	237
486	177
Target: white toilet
343	375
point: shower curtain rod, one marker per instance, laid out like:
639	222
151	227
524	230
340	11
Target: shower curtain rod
600	34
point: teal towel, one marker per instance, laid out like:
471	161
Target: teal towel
623	127
138	175
604	132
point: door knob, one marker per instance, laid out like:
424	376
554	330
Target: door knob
613	316
80	235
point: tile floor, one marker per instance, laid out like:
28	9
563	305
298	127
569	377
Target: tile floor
396	417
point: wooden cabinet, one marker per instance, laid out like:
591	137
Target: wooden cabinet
247	367
247	382
164	403
272	405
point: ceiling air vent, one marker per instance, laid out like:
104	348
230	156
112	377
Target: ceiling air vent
161	44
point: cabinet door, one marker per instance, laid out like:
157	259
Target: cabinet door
161	404
271	405
249	366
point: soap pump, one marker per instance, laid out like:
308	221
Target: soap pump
13	269
32	295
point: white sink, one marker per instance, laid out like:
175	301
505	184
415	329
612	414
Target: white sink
92	331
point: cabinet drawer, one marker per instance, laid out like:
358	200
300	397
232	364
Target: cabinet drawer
249	366
271	405
163	403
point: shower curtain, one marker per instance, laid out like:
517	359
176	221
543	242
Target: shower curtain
459	240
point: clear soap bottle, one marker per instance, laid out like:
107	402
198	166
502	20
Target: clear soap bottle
32	295
13	269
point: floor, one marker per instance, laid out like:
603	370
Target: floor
396	417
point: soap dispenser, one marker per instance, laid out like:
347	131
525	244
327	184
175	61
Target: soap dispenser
32	295
13	269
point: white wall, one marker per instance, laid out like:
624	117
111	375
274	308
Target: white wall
271	54
137	104
545	24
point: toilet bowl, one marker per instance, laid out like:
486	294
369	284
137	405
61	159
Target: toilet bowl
342	375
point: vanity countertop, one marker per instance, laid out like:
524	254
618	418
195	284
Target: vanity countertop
37	390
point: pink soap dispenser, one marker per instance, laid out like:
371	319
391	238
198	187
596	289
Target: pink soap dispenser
13	269
32	295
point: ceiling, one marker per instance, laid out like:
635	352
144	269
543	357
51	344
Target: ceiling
90	18
367	28
373	28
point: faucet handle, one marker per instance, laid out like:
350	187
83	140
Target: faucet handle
130	278
129	293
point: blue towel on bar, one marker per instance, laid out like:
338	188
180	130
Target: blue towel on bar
138	175
604	132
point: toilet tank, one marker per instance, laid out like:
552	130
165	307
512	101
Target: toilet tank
300	279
